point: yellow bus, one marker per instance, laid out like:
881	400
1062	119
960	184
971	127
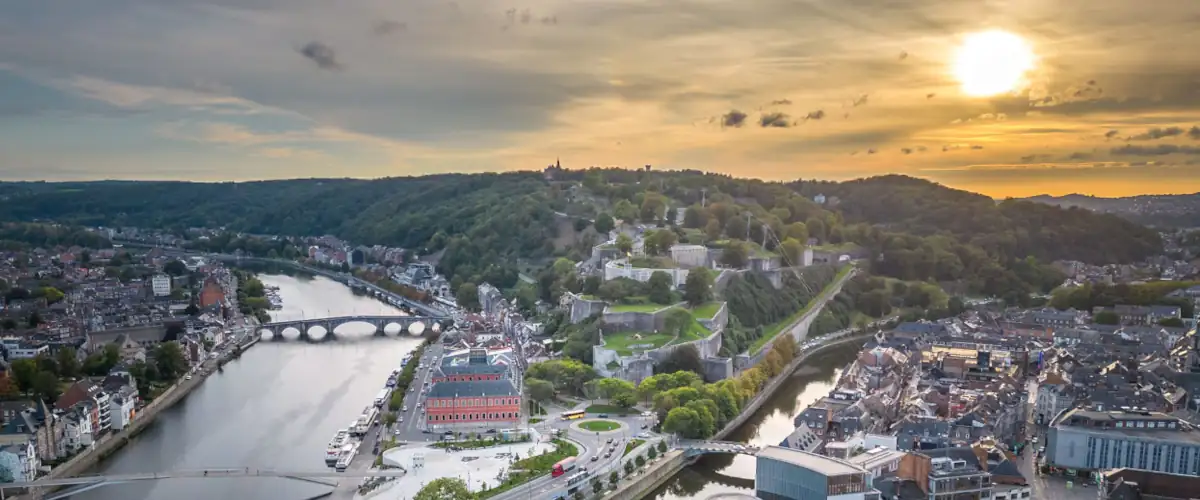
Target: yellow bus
573	414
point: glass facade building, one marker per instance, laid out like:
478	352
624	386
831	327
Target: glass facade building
788	474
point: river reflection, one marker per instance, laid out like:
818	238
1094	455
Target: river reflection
769	426
275	407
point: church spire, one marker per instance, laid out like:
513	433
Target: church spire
557	163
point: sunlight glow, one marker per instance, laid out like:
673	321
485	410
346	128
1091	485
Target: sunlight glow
992	62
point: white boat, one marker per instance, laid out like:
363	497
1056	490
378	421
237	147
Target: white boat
345	457
335	446
364	422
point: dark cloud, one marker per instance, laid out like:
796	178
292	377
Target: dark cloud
862	99
1079	156
733	118
549	20
321	54
815	115
922	149
871	151
776	120
1111	133
1158	133
1028	158
781	102
1194	133
976	146
387	27
906	151
930	96
1158	150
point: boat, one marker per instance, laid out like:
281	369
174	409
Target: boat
345	457
334	450
364	422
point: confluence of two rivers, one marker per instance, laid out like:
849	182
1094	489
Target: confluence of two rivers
280	403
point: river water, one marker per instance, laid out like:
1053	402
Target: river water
275	407
280	403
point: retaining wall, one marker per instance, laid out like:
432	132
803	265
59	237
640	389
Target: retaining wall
655	475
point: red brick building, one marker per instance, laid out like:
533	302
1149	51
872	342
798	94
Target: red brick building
211	293
479	404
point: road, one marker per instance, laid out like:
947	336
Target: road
412	427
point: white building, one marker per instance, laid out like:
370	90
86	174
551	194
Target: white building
79	433
23	349
621	269
123	407
18	459
690	255
1054	396
161	285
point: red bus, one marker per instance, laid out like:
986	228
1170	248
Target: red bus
562	467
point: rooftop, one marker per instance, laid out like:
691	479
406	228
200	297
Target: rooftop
818	463
476	388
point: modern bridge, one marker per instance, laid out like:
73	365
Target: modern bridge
693	448
380	323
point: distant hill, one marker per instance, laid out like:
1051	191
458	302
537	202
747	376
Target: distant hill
1172	210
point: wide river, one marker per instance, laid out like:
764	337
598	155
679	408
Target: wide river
278	406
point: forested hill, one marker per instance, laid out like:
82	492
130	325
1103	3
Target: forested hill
485	216
1011	227
1171	210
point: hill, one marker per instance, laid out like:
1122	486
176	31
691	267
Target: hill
1182	210
910	229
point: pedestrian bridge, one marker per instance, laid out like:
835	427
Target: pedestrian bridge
406	324
696	448
77	485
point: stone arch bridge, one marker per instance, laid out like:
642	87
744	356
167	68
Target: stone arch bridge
276	328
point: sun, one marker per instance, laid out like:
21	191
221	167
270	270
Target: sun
992	62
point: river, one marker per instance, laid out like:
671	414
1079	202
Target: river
275	407
769	426
279	404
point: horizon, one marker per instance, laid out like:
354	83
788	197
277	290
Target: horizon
1008	98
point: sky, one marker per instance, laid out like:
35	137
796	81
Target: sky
1003	97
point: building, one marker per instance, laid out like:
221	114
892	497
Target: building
788	474
211	294
947	474
1099	440
690	255
24	348
18	461
123	407
1055	394
1125	484
482	404
87	391
160	284
1142	315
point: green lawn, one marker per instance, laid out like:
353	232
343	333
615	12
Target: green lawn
706	311
600	425
622	341
610	409
835	247
632	446
772	330
652	263
644	308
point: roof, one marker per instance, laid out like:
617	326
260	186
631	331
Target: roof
817	463
502	387
875	457
469	369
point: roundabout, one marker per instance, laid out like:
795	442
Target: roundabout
599	425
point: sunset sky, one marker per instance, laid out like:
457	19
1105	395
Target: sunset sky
1003	97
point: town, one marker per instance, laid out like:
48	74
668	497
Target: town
641	349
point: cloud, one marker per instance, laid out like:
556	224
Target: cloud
1079	156
321	54
906	150
781	102
1111	133
777	120
1194	133
862	99
387	27
815	115
733	118
1157	150
1158	133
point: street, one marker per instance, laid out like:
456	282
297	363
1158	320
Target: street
412	428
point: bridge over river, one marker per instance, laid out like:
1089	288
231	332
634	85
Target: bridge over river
406	324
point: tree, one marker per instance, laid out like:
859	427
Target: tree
797	231
685	358
735	255
445	488
604	223
35	319
68	362
640	460
175	268
45	386
1106	318
658	288
578	495
625	211
9	324
467	296
169	360
1172	322
816	228
581	224
653	207
697	289
694	217
660	242
662	446
51	294
712	230
652	453
683	421
736	228
597	486
614	478
624	243
628	467
539	390
793	252
23	371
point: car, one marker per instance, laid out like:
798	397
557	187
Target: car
397	431
189	377
609	441
404	408
609	454
401	420
603	415
595	457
